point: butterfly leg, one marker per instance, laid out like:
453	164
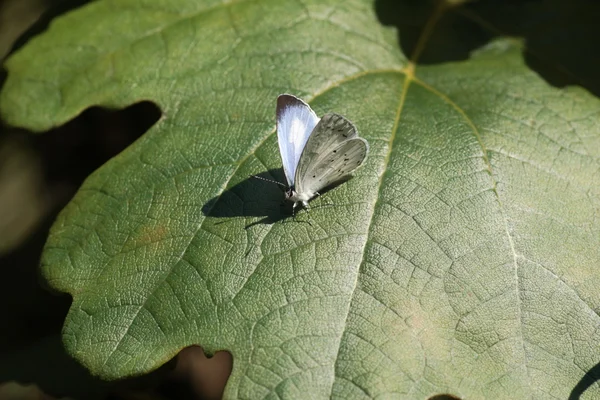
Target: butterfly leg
306	206
294	209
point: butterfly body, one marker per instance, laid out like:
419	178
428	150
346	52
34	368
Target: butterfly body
296	197
315	152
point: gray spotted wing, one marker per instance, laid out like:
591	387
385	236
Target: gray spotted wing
332	152
331	131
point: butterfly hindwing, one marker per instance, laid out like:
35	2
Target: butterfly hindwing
295	122
333	165
331	131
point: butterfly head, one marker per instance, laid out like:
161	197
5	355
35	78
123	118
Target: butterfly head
291	194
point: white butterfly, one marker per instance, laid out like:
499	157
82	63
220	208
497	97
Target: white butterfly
315	152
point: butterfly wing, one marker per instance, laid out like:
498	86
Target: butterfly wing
295	121
331	131
332	152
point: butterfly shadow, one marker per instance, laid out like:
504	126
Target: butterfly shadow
257	197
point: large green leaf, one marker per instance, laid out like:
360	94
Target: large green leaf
463	258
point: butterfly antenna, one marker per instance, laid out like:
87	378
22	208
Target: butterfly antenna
269	180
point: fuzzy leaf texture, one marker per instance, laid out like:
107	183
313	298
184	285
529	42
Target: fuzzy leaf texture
463	258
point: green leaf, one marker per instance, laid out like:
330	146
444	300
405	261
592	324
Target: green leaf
461	259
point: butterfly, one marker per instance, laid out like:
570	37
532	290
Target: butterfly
315	152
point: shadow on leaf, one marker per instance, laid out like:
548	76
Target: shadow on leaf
253	197
560	37
257	197
589	379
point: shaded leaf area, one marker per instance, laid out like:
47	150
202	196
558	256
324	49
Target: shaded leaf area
460	260
560	37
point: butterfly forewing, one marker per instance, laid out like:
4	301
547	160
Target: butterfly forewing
295	121
334	165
